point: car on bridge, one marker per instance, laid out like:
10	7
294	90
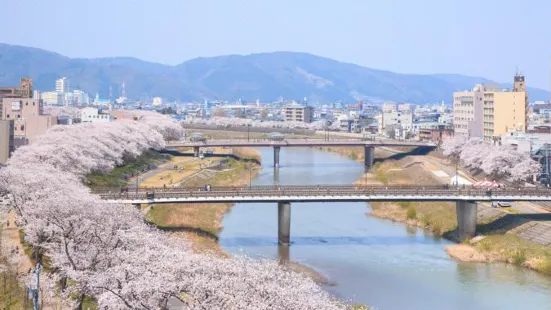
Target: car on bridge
276	136
501	204
197	137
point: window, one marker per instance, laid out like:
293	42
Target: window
22	127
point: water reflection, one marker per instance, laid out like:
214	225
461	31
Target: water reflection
375	262
276	175
411	230
283	254
327	240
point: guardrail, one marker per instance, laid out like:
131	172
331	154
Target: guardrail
321	190
297	142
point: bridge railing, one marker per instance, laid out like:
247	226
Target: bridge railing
322	190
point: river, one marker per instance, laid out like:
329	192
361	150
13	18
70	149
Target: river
372	261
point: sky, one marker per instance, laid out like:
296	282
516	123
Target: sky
488	38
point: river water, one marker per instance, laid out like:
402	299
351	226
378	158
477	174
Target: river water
372	261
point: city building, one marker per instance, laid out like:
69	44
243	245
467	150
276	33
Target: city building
93	115
62	85
6	140
488	111
29	121
435	132
394	123
157	101
25	90
299	113
51	98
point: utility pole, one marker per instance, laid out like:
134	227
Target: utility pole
456	173
547	163
250	177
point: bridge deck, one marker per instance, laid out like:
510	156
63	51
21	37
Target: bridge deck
298	143
320	193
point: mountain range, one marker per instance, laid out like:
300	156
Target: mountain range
265	76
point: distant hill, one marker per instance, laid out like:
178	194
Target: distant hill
265	76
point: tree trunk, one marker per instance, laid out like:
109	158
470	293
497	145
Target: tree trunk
63	283
80	300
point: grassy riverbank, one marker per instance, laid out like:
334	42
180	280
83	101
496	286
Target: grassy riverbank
119	175
201	223
497	245
506	248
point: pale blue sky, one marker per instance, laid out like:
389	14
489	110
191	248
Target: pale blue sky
487	38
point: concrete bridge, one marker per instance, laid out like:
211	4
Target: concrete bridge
368	145
464	197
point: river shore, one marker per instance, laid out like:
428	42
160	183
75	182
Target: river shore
495	245
201	224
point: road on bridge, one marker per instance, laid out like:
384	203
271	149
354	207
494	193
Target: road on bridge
299	193
299	143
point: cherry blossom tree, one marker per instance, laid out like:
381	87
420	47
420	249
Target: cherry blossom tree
493	160
452	146
109	252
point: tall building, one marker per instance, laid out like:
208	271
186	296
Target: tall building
488	111
299	113
62	85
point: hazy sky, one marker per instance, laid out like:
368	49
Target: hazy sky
487	38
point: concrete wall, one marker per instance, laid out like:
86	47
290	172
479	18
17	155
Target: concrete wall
6	140
34	126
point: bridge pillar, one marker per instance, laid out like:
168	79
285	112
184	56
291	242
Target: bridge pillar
196	151
276	156
284	223
466	219
368	156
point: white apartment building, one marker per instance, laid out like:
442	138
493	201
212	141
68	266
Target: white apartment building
468	112
62	85
92	115
395	124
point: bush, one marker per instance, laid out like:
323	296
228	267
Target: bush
519	257
436	229
403	204
411	213
545	265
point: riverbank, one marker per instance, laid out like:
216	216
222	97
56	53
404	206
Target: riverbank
201	223
499	229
